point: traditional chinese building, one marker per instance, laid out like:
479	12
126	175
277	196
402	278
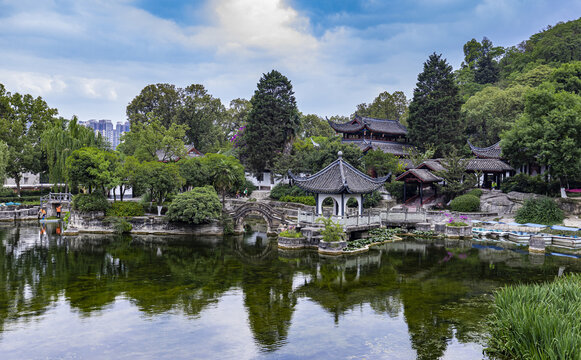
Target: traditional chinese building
495	152
370	133
339	181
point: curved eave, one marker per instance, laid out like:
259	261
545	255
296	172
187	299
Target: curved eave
346	127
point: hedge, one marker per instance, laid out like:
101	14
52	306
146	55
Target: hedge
306	200
281	190
126	208
475	192
541	211
466	203
90	202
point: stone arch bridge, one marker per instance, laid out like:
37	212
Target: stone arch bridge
274	218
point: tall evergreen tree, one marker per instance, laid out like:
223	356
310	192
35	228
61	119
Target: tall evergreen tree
272	122
434	113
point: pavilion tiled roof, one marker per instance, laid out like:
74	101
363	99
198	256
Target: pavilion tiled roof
491	152
433	165
424	175
372	124
339	177
392	147
484	165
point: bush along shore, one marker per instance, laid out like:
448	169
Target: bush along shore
539	321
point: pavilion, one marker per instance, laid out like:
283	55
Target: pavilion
339	181
422	178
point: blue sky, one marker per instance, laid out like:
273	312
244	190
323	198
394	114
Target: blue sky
92	57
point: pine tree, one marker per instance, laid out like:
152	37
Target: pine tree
434	113
272	122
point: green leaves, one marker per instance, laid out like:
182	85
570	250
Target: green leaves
198	206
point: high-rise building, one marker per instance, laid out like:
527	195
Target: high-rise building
106	129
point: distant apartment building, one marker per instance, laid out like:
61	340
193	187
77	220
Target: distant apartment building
106	129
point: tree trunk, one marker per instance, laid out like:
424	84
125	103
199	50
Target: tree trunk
17	180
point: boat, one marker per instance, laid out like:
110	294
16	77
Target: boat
480	231
572	241
519	237
497	233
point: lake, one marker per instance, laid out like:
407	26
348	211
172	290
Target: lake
162	297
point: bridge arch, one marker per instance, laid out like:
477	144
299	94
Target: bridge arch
273	217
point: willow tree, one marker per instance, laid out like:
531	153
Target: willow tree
60	140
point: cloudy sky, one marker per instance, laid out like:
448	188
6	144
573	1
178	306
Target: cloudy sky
91	57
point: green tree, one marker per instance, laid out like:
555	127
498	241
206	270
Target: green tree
568	77
225	172
158	179
434	113
236	116
309	158
162	101
147	140
457	181
272	122
491	111
486	70
377	163
194	172
314	125
23	118
386	106
93	168
197	206
3	160
202	113
125	174
60	139
416	157
547	133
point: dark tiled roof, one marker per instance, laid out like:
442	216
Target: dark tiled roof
488	165
373	124
424	175
392	147
484	165
491	152
339	177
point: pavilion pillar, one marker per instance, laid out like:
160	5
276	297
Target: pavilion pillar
317	211
421	193
404	193
360	204
342	204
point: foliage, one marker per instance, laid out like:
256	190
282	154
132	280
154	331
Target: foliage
3	160
236	116
455	177
23	118
152	141
191	107
416	157
125	174
540	211
568	77
333	231
547	133
371	200
60	139
386	106
466	203
158	179
92	167
313	125
90	202
537	321
291	233
491	111
120	225
6	192
306	200
475	192
378	164
125	208
434	112
272	122
395	189
530	184
281	189
197	206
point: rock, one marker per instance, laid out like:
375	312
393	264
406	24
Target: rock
521	197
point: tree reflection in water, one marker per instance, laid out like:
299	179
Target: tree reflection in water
439	300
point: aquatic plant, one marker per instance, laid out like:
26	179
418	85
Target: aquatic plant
538	321
333	231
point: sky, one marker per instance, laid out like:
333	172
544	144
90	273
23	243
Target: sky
90	58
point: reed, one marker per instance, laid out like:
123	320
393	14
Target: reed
538	321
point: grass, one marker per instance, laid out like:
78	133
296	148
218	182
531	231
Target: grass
539	321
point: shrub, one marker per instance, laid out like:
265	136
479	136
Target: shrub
475	192
539	321
120	225
333	231
197	206
281	190
465	203
291	233
396	190
6	192
530	184
247	184
90	202
306	200
126	208
542	211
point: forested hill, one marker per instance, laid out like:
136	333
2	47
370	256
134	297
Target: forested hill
528	96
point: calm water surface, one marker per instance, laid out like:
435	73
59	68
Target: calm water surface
95	297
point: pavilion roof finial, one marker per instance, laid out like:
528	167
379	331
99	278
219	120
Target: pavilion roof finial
340	154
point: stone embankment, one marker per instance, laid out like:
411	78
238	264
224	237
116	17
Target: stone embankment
18	213
96	222
501	203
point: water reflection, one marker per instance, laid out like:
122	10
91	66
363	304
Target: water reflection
436	292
